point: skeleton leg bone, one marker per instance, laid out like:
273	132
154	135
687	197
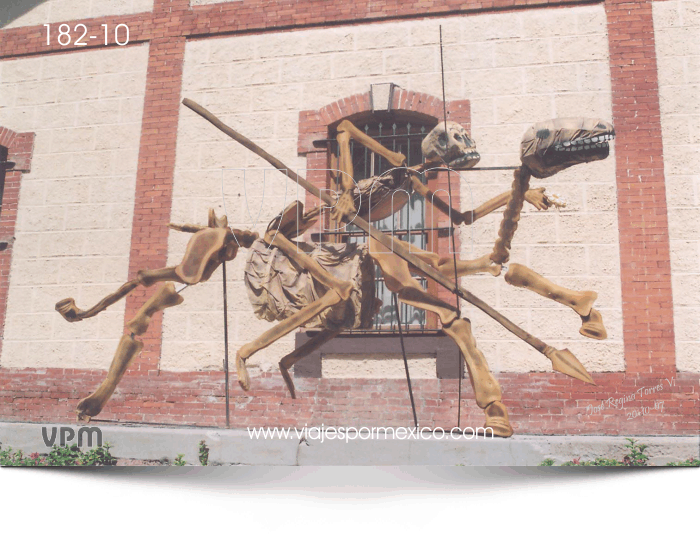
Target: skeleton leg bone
397	278
338	291
581	302
521	276
205	251
297	320
488	393
71	313
128	348
446	265
486	388
299	353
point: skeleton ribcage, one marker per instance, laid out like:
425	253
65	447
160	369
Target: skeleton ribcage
277	288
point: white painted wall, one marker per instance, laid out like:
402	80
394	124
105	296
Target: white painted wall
677	27
75	210
53	11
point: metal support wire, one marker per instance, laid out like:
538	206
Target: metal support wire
226	375
454	248
405	359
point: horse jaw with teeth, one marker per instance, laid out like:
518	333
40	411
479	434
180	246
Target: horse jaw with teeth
449	144
551	146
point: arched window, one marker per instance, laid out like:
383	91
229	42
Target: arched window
401	128
401	133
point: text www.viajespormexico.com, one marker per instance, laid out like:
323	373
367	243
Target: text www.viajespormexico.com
351	433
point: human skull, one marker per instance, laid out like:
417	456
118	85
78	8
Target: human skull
449	143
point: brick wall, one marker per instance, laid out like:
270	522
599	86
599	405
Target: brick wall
534	43
644	247
20	149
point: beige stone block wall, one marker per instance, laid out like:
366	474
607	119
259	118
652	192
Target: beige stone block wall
66	10
75	211
535	66
677	26
516	68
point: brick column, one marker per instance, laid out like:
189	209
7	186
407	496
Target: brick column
156	165
19	150
647	301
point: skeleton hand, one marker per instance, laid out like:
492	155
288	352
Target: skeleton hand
538	199
344	207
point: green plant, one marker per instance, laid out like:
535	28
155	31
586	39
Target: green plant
607	462
99	456
203	453
70	455
690	462
636	456
180	460
598	462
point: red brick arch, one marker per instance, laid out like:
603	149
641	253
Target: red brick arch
314	124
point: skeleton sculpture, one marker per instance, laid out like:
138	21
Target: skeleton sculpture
332	284
547	148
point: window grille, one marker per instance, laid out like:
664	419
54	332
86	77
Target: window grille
407	224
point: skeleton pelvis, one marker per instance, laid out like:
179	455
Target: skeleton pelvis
287	222
203	255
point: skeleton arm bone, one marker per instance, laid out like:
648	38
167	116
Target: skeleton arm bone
535	197
352	132
347	131
455	215
345	206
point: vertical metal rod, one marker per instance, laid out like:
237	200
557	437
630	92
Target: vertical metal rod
228	409
405	360
454	248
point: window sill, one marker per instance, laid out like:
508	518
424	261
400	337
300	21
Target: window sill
433	343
